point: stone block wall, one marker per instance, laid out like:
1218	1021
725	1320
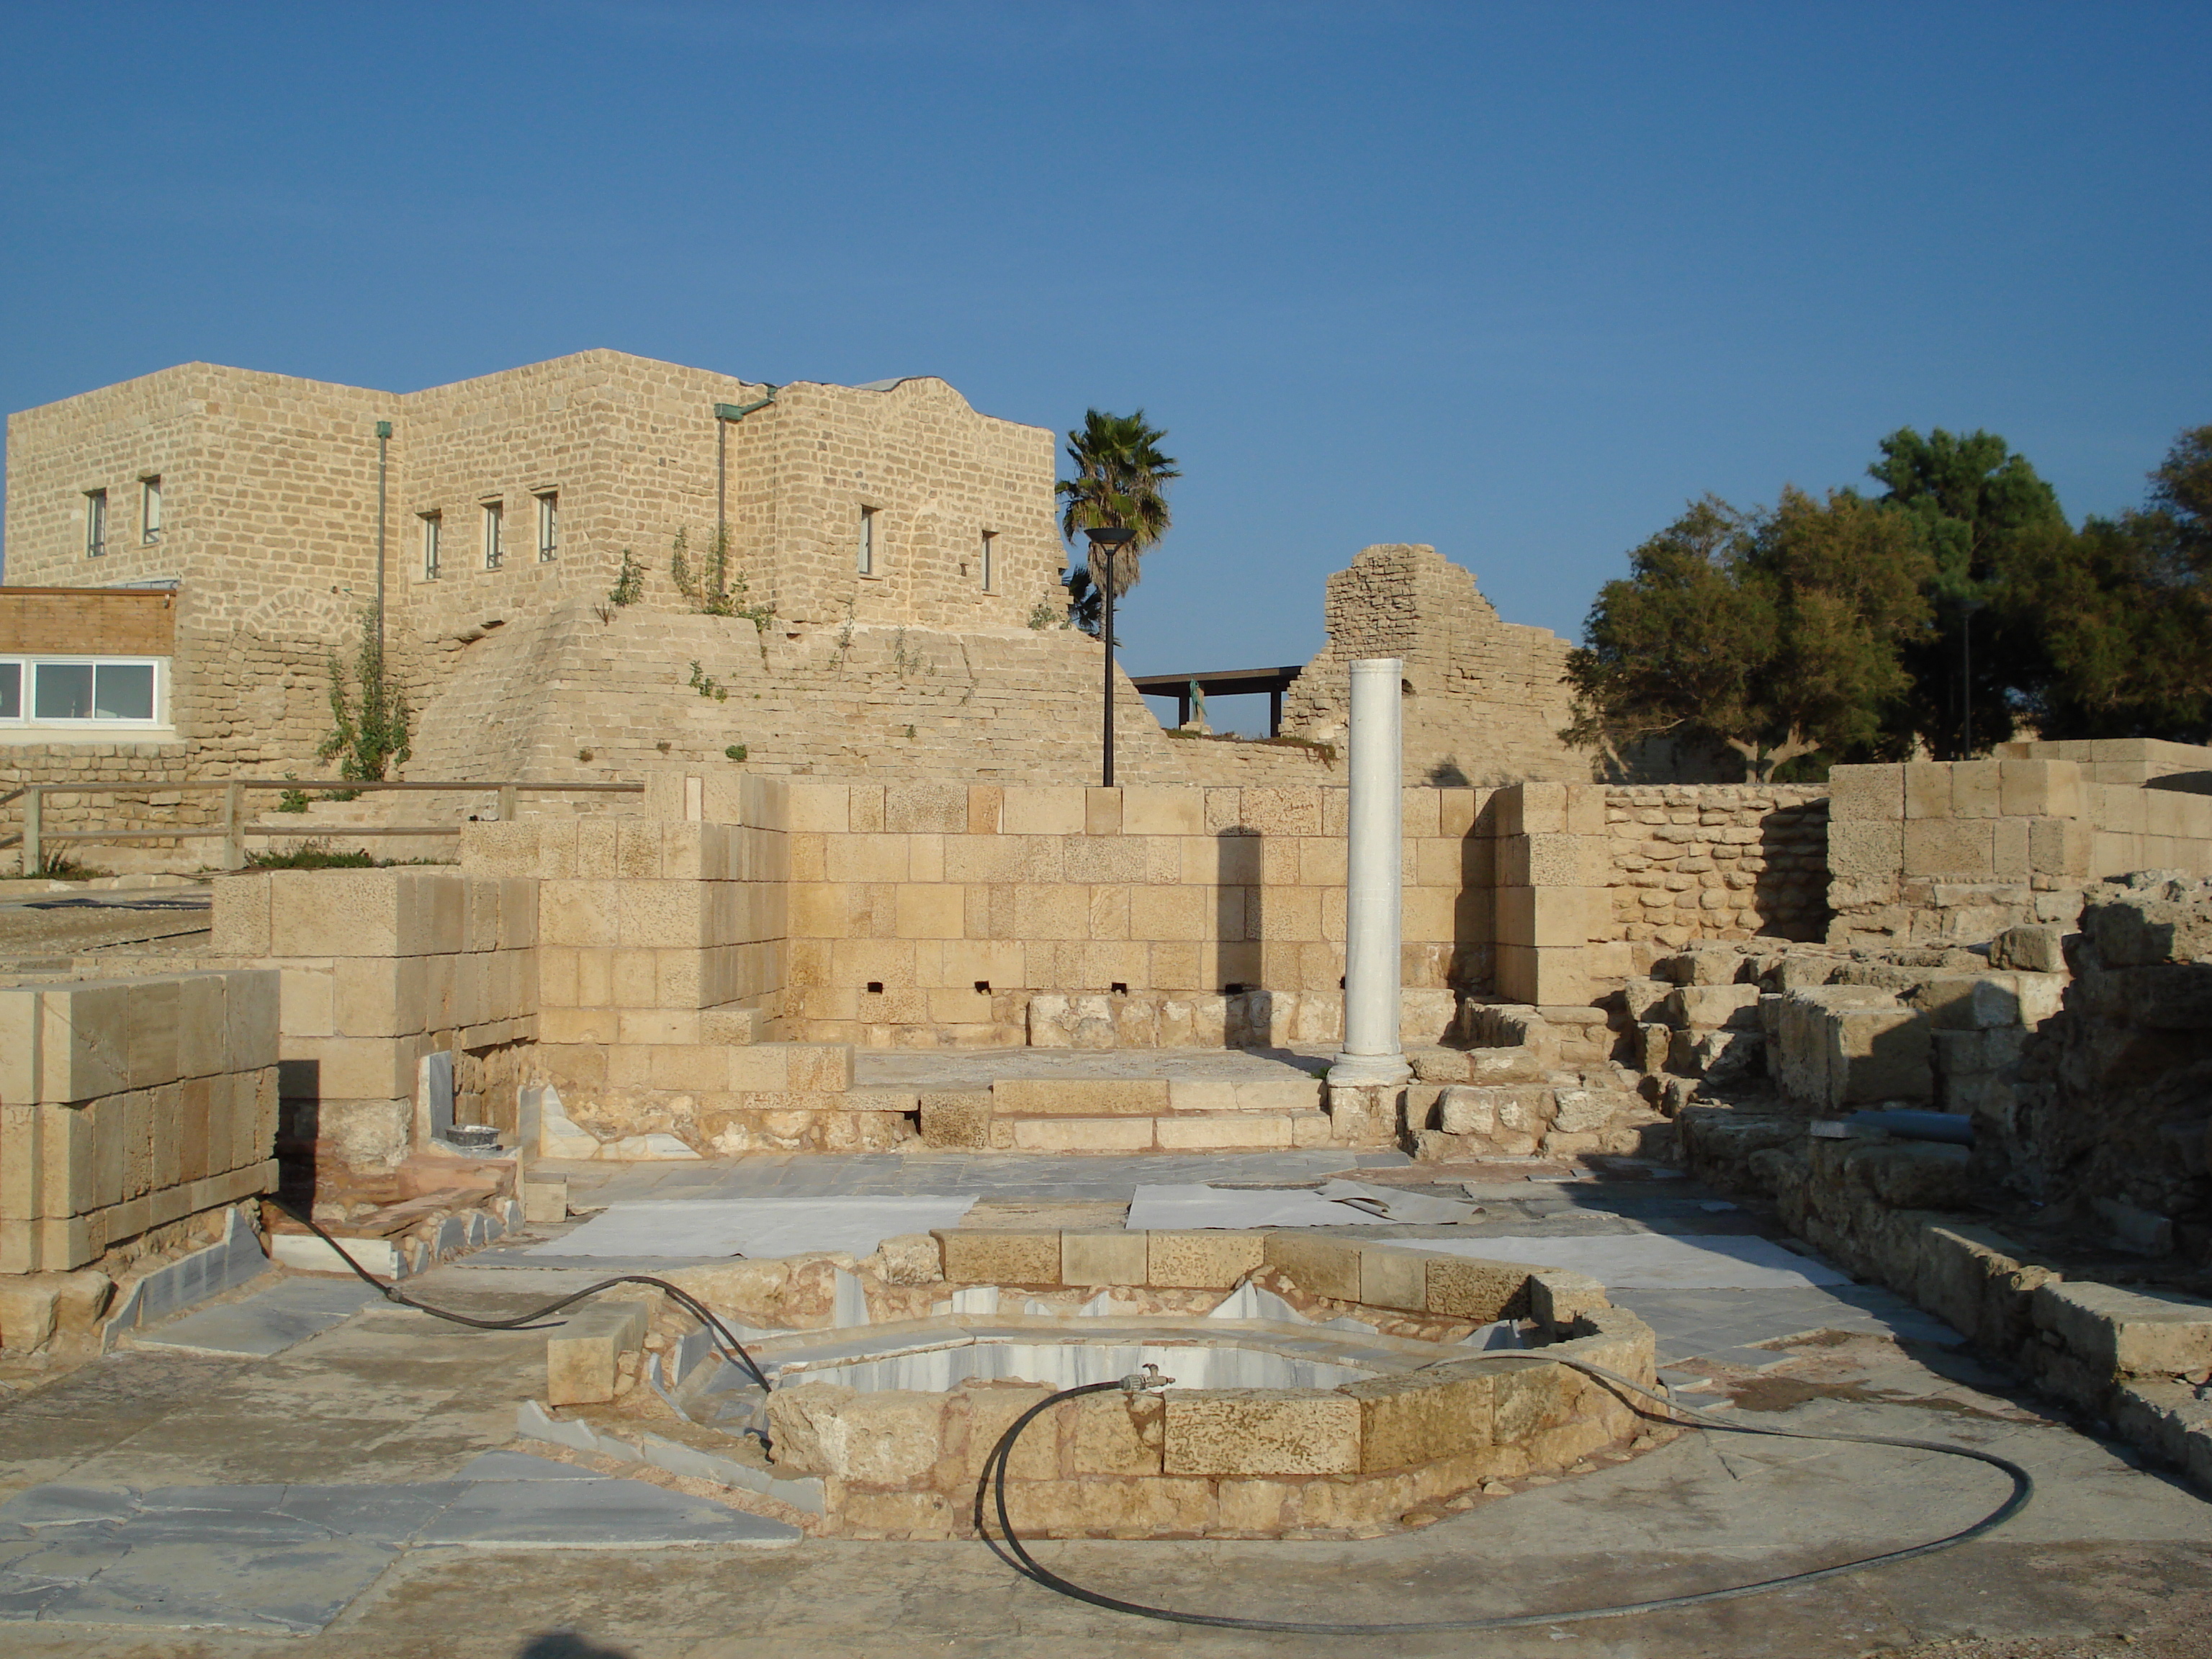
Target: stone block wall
151	808
128	1104
1955	852
931	913
378	969
1718	861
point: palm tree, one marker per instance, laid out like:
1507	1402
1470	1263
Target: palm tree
1119	472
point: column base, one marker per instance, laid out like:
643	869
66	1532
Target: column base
1368	1070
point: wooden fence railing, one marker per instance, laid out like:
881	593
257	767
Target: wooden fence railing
232	828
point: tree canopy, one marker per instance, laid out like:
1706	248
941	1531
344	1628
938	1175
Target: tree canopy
1119	484
1773	634
1846	627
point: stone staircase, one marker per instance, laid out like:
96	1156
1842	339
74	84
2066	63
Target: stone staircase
1128	1115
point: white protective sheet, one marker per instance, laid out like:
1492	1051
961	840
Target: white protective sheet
1656	1262
754	1226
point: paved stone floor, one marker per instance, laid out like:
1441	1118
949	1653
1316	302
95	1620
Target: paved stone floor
227	1463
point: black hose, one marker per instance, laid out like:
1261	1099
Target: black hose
732	1348
1017	1556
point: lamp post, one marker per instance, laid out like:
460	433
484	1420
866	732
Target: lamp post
1107	540
1967	607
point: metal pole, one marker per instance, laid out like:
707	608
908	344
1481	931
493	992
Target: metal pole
721	478
1966	688
383	446
33	822
1107	641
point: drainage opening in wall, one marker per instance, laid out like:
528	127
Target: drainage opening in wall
875	987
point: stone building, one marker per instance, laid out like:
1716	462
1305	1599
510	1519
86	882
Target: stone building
874	588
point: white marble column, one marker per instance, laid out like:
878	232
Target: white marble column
1373	897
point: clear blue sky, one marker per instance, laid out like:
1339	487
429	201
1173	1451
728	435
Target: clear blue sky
1515	280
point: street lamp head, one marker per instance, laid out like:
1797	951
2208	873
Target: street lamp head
1110	538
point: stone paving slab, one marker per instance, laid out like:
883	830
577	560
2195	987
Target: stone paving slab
278	1317
287	1559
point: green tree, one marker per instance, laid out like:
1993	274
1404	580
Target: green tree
1772	634
2118	615
369	717
1120	474
1978	508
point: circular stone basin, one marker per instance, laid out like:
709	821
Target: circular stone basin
1057	1362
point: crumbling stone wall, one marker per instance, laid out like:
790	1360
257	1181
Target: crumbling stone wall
1954	853
2115	1095
1486	699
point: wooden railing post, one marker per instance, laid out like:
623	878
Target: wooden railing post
34	816
233	840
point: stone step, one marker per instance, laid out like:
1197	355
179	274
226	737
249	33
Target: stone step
1216	1131
1136	1097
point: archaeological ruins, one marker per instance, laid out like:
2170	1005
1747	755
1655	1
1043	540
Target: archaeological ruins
845	884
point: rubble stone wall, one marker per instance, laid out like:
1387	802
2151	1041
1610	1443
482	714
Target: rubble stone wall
1718	861
1486	699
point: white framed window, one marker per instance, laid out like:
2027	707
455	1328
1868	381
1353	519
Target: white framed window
106	692
549	525
990	561
494	547
433	526
95	522
866	558
149	509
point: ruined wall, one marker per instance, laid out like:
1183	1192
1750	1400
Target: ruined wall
1485	698
1955	852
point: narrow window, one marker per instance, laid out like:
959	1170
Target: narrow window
549	525
64	691
990	561
433	523
867	560
150	510
95	522
11	690
495	550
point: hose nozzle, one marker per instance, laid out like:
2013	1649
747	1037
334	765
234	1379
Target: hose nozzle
1141	1382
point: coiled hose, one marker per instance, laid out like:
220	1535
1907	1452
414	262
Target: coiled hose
1009	1548
730	1347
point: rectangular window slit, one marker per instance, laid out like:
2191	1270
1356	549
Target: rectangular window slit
875	987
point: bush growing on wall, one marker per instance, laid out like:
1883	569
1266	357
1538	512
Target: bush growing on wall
370	715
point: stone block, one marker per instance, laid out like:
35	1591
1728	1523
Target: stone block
1475	1288
1319	1266
1116	1434
545	1200
1103	1258
1866	794
973	1256
1967	1002
1438	1412
83	1040
1712	1007
1928	789
582	1355
2117	1332
1532	809
240	923
1393	1278
1210	1259
1950	847
1974	789
2040	789
1082	1134
1080	1096
1244	1432
1865	851
955	1118
1558	1298
1228	1132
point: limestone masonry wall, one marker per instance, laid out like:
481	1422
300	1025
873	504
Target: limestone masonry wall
1718	862
127	1104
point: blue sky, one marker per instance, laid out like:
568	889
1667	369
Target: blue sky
1516	280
